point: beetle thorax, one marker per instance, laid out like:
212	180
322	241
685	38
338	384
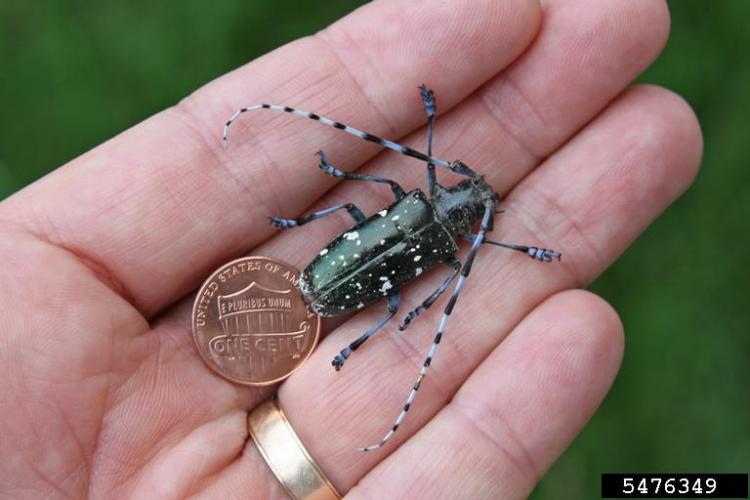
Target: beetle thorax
458	207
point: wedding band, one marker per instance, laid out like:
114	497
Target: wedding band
286	455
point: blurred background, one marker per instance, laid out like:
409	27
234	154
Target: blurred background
73	74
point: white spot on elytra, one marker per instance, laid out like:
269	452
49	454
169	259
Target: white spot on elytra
383	212
341	257
359	242
417	258
348	296
395	217
382	242
383	278
418	271
352	235
360	305
393	272
356	256
324	251
386	286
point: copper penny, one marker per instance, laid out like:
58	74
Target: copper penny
250	323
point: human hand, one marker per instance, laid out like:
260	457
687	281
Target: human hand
104	393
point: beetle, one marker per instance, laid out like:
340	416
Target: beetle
381	253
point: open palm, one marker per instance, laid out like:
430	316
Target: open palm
103	392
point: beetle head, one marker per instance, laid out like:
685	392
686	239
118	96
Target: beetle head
459	206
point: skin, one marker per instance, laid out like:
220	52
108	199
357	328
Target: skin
103	393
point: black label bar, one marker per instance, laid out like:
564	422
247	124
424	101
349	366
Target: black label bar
674	485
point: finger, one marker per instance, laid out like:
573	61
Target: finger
516	413
158	206
506	127
648	166
595	196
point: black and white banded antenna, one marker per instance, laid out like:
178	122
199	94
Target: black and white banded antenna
455	166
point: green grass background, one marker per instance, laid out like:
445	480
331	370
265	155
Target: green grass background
73	74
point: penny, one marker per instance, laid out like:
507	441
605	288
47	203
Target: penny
250	324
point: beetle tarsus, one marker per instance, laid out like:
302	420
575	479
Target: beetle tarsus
408	319
428	99
327	167
544	254
338	361
282	223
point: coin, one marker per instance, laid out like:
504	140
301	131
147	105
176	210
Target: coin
250	324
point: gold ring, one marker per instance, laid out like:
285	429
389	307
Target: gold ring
286	455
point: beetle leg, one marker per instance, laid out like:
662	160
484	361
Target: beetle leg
398	191
434	296
428	98
393	302
488	213
355	212
540	254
